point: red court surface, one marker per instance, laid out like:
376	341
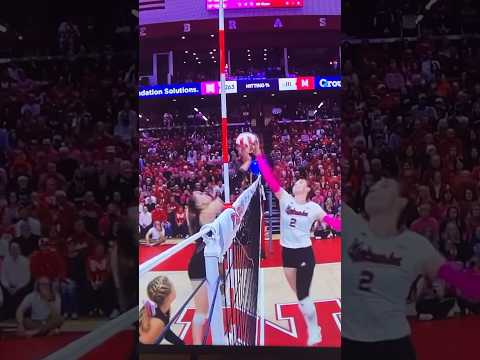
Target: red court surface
119	346
455	338
326	251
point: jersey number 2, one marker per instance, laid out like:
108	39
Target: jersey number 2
293	221
366	278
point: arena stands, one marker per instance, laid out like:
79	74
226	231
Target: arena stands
395	18
176	160
68	169
413	109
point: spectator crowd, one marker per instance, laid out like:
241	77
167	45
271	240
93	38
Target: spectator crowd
67	189
412	110
176	162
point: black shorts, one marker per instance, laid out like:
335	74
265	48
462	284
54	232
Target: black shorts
398	349
196	266
298	258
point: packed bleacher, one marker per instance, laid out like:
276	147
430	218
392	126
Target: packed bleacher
67	187
412	109
395	18
176	161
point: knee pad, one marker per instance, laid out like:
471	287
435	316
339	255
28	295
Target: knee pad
304	280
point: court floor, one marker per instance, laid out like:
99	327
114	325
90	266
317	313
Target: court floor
279	314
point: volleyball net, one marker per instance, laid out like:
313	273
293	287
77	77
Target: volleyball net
232	261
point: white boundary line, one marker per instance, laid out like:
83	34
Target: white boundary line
78	348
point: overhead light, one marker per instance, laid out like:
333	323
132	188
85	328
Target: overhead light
211	52
186	51
248	50
273	94
199	62
213	57
184	62
249	59
140	116
265	50
183	37
212	35
215	61
315	93
194	54
202	98
320	105
195	109
174	100
244	96
197	58
265	59
214	50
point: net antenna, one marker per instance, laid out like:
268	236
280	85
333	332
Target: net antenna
223	101
232	260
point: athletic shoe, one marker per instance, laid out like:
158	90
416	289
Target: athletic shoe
315	336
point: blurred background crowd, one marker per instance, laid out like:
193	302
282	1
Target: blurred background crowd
412	109
68	158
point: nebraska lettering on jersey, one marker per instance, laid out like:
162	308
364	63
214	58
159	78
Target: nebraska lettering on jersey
291	211
360	252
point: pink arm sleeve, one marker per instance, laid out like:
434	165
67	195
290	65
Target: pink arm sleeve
333	222
466	281
267	173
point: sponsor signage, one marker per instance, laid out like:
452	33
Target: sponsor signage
213	87
249	4
299	83
170	90
257	85
328	82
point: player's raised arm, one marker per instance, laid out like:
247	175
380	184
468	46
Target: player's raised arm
334	222
267	172
466	281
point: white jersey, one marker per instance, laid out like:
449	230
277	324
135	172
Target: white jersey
296	221
376	278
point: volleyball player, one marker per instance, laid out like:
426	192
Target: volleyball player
380	261
297	216
155	314
202	209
